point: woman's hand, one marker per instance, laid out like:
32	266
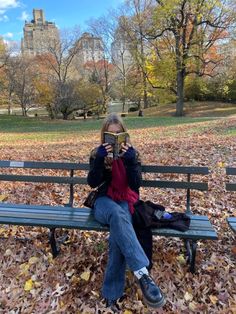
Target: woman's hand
104	149
128	151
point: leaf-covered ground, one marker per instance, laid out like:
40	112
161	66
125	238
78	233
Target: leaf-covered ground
32	282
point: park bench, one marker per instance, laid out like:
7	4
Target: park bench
231	187
71	217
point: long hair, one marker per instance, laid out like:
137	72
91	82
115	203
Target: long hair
112	118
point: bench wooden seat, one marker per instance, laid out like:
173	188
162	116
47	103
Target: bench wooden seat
230	171
71	217
82	218
232	223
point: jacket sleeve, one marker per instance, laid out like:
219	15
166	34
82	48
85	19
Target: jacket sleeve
134	172
96	170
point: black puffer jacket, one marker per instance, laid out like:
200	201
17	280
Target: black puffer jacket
100	172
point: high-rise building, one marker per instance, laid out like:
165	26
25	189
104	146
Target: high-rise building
120	52
39	34
90	48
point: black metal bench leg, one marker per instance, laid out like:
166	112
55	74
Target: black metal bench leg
194	251
191	249
52	240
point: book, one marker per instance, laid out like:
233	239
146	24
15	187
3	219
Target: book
115	140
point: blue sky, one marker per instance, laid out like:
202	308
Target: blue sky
65	13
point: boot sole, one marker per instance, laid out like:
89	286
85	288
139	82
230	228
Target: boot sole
157	304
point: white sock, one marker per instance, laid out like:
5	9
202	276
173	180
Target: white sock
138	273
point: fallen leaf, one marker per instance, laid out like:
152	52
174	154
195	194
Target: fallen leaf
188	296
181	259
3	197
233	249
192	306
33	260
85	275
24	269
29	285
213	299
8	252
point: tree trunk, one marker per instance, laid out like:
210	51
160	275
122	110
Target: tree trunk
180	94
9	110
24	112
145	98
65	115
124	95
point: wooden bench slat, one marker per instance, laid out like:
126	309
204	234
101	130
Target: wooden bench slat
70	210
43	179
42	207
232	223
231	171
85	225
43	165
200	226
91	224
230	186
82	180
190	234
175	184
85	166
175	169
58	210
203	225
231	219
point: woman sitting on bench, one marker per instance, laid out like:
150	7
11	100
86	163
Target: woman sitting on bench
119	180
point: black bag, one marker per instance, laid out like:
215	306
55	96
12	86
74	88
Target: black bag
92	196
149	215
144	213
90	199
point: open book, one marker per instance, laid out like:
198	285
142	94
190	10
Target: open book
115	140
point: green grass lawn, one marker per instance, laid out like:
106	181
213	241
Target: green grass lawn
18	128
24	124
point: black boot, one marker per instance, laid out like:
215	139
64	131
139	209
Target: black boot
151	292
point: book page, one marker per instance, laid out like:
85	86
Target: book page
109	138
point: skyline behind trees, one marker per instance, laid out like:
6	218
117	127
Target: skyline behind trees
162	50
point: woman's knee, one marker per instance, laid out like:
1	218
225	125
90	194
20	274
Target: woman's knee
105	209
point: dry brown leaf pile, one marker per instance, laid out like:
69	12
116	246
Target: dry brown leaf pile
32	282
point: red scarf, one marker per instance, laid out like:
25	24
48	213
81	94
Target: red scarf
119	190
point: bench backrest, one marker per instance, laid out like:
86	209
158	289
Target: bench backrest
71	179
230	171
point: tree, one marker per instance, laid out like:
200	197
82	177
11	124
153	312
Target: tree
3	53
22	83
90	96
58	63
11	69
133	25
100	73
115	49
45	95
191	29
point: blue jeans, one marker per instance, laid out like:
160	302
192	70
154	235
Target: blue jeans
124	246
